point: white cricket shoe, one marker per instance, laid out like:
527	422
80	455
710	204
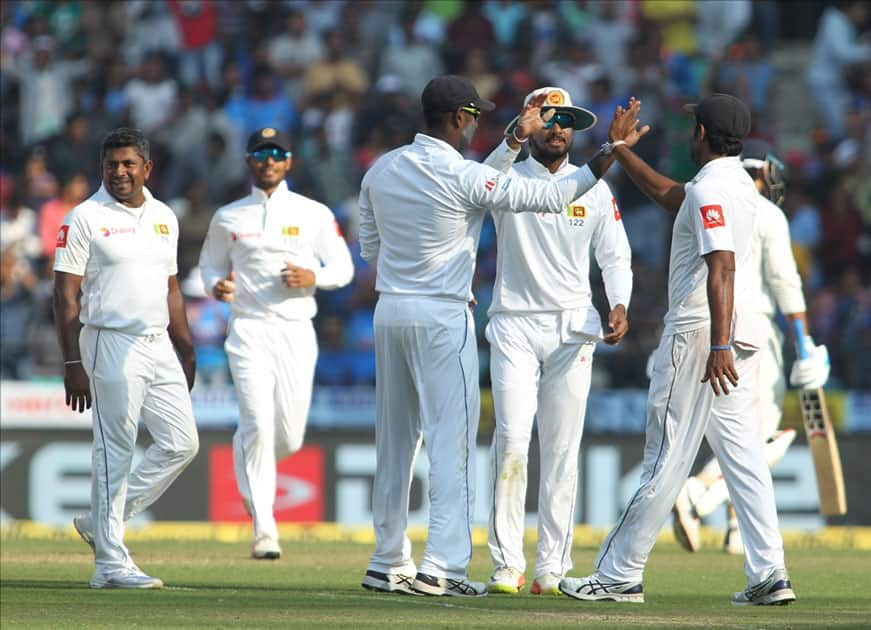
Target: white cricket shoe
266	548
128	577
431	585
547	584
85	528
388	582
506	580
597	587
687	526
775	590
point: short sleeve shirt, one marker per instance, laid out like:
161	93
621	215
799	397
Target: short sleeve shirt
125	257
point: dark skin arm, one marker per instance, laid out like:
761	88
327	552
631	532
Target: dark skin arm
77	387
664	191
180	332
721	294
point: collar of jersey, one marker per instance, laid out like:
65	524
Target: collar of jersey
103	197
727	162
540	170
259	195
434	143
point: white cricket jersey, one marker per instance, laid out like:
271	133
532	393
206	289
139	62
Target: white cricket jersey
544	259
125	257
717	214
256	236
421	210
775	281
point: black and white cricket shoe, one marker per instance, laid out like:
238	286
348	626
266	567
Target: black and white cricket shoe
775	590
431	585
388	582
597	587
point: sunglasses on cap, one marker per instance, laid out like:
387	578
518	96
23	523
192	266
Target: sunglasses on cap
278	155
564	119
472	110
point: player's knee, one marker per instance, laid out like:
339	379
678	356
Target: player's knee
190	447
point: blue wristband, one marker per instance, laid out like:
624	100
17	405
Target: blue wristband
726	347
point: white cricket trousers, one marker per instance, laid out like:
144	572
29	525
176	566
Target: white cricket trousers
273	366
681	410
133	376
536	372
426	386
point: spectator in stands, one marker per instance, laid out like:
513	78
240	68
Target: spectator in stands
45	90
151	97
293	51
336	71
267	106
836	47
505	15
201	54
412	60
73	191
17	221
64	152
470	30
208	319
17	282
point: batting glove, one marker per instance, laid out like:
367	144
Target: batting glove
812	372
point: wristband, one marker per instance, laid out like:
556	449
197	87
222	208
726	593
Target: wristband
72	362
608	147
726	347
516	139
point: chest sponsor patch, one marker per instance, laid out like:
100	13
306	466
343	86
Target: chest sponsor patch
62	236
617	215
107	232
162	229
290	230
712	216
576	211
241	236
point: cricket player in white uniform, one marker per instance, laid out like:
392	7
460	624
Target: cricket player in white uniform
127	348
267	254
705	369
542	333
777	284
421	211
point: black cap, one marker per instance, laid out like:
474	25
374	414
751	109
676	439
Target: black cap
267	137
448	92
722	114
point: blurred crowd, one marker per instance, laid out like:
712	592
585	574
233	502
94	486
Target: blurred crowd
344	79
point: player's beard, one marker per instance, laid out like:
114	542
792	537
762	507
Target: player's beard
466	136
546	154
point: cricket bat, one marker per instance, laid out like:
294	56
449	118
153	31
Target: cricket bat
821	439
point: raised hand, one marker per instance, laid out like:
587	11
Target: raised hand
225	288
531	119
624	126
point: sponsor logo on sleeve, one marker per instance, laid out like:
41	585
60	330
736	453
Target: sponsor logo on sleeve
290	230
490	184
712	216
617	215
62	236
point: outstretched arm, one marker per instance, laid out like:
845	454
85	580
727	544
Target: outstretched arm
662	190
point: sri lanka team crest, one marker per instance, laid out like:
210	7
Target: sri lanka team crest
576	211
161	229
555	98
290	230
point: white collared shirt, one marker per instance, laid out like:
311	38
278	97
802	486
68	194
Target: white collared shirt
543	261
717	214
421	210
125	257
256	236
775	279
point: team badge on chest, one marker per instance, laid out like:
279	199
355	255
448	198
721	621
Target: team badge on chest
290	230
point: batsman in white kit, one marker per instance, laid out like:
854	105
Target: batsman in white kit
776	285
705	368
267	254
421	211
127	349
543	330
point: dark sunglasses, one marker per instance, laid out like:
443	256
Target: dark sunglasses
564	119
472	110
278	155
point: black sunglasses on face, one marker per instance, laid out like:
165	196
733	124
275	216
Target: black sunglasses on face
278	155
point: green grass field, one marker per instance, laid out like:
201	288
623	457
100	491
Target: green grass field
43	584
